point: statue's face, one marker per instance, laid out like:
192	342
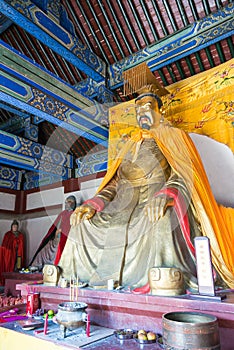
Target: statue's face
14	228
69	204
147	112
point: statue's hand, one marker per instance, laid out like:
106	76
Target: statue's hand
58	232
83	212
157	207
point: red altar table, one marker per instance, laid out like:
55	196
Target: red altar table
123	309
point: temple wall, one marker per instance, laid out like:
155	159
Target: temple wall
42	208
7	201
45	198
218	161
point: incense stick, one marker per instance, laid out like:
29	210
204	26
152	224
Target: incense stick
70	289
74	286
77	283
73	291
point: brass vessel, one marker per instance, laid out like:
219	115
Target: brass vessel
166	281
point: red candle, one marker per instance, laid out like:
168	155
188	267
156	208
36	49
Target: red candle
46	324
88	326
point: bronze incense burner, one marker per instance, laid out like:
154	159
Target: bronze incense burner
71	315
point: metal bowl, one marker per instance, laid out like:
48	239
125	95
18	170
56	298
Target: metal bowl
124	334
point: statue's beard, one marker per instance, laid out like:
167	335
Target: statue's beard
145	126
145	121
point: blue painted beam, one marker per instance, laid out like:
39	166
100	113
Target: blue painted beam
13	125
30	155
33	180
28	163
73	124
4	23
13	110
10	178
92	163
23	81
42	4
200	35
89	87
24	69
46	30
10	185
33	149
36	119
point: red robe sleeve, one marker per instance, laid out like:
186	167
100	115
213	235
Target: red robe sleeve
63	222
65	227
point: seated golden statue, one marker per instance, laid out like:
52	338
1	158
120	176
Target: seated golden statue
147	211
126	228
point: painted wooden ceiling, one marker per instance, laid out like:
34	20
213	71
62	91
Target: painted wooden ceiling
169	35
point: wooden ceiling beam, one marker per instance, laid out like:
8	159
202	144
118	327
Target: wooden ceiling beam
199	35
33	20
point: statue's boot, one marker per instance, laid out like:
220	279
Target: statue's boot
142	290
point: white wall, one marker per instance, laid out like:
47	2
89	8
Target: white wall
45	198
35	226
218	161
7	201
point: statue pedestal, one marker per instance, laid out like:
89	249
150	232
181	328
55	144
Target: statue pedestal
121	309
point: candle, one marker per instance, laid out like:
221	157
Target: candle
46	324
70	289
88	326
73	290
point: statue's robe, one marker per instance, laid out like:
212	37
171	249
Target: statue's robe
119	242
14	247
52	253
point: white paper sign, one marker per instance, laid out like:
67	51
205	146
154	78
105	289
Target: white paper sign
204	266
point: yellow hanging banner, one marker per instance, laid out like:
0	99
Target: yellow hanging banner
202	104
